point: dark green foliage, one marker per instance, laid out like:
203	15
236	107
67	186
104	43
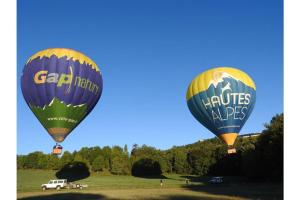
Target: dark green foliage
177	160
201	159
268	153
272	148
145	151
53	162
32	160
21	161
120	165
146	167
66	158
106	152
98	164
125	149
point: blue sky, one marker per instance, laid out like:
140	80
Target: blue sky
148	52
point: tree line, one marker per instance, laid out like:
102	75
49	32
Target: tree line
258	158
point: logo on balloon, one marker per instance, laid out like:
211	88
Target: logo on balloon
42	77
235	102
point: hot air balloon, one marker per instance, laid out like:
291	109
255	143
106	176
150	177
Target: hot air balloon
222	99
61	87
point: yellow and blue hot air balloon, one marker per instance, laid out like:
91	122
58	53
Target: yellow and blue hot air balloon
61	86
222	99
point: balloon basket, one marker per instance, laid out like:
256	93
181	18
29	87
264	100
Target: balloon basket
57	149
231	150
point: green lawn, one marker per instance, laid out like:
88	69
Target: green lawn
31	180
128	187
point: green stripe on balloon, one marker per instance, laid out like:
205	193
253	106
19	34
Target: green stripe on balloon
60	115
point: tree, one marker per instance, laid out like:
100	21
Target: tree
32	160
106	152
89	154
85	154
150	152
180	162
201	159
21	161
120	165
125	149
94	153
53	162
78	158
66	158
269	150
116	151
43	162
98	164
249	161
134	147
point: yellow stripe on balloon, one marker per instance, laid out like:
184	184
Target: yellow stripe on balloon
205	79
70	53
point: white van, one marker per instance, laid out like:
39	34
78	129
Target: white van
55	184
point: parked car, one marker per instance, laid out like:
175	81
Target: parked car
55	184
216	179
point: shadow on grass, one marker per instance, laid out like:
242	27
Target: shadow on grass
147	168
66	196
196	179
206	179
86	196
73	171
186	197
152	176
272	191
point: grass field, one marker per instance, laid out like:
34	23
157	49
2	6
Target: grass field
128	187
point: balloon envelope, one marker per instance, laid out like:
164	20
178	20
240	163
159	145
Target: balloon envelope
61	87
222	99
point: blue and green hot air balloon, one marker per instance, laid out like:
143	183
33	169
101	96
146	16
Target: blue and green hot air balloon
222	99
61	86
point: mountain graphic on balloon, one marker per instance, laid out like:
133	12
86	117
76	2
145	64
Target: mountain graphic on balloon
226	87
218	77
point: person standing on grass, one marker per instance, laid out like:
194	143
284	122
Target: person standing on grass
187	181
161	182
